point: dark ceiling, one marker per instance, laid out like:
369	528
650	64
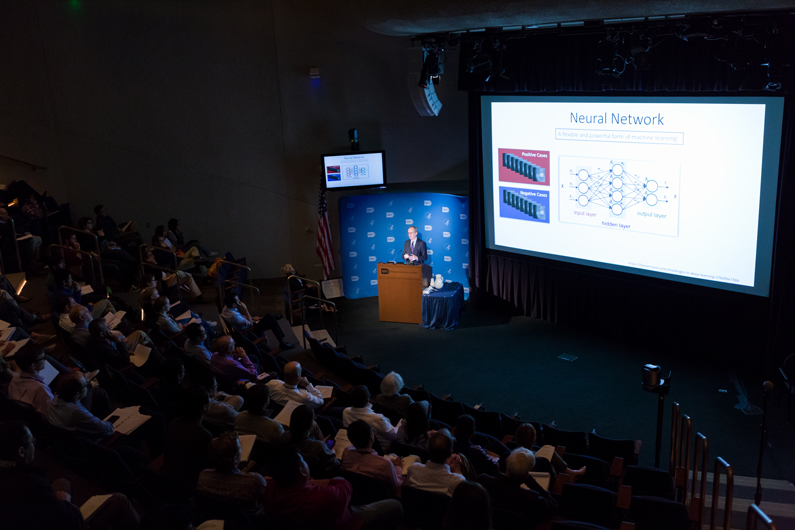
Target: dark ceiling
413	17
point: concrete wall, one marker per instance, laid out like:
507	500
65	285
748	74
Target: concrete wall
204	111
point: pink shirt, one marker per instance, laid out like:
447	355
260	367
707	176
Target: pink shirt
370	464
30	389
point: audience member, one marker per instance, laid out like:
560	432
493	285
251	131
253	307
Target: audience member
232	363
361	409
67	412
477	456
301	503
187	441
305	434
223	407
415	429
517	491
29	386
118	232
195	344
391	399
114	349
442	472
256	420
525	436
469	508
29	502
294	388
237	315
362	459
177	239
225	479
81	317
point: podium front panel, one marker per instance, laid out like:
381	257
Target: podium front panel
400	292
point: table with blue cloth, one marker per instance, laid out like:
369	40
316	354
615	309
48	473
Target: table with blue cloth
441	307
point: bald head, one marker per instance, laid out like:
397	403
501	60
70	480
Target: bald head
80	316
225	345
292	373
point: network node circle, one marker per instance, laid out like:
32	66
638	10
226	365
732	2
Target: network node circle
652	186
651	199
617	183
583	174
582	187
582	200
617	196
617	170
616	209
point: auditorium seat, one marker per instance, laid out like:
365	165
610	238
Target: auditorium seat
366	489
649	481
597	471
591	504
608	448
575	441
424	509
486	422
446	411
654	513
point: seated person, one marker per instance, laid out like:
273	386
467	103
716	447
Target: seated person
236	314
160	312
114	349
223	407
114	231
442	472
361	409
171	281
29	386
390	397
525	436
225	479
108	248
477	456
63	306
11	312
415	429
362	459
150	292
516	490
28	501
81	317
294	388
256	420
66	411
305	434
196	344
232	362
175	236
300	503
30	248
470	508
187	441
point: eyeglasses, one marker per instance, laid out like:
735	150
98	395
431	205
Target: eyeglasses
32	441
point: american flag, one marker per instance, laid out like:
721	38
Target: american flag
323	245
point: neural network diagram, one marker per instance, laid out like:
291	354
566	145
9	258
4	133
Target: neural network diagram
625	194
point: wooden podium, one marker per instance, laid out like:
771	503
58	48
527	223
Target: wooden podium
400	291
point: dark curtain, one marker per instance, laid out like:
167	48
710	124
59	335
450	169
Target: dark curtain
725	325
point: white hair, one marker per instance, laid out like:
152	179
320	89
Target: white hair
519	463
391	384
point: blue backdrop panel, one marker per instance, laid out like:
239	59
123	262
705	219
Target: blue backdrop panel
374	227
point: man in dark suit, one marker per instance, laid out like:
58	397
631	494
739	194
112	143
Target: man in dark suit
414	250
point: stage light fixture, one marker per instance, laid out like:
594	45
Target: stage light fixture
479	63
430	67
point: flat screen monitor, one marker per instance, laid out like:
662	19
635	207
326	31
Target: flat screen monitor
360	169
669	187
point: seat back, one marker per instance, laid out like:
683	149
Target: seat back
652	513
366	490
208	507
589	503
486	422
401	449
575	525
446	411
608	448
597	471
574	441
424	508
649	481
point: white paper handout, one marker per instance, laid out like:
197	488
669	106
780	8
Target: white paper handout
6	333
326	391
184	316
19	344
284	416
48	373
86	289
140	355
246	445
128	419
113	319
4	324
92	505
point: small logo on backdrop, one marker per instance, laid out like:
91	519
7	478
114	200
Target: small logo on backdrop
466	255
465	265
373	282
357	291
384	271
390	240
445	209
353	217
390	203
447	247
392	252
390	227
410	209
370	210
430	252
354	278
372	258
428	228
449	271
447	222
372	247
428	215
430	240
352	254
375	271
370	234
427	203
353	242
465	241
355	265
446	234
372	222
351	229
466	290
390	215
448	258
350	205
463	216
409	221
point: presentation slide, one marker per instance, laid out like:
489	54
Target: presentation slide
354	170
676	188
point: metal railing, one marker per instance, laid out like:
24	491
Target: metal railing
675	415
290	291
90	259
303	317
683	462
144	264
720	463
16	243
756	514
154	247
697	500
96	245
